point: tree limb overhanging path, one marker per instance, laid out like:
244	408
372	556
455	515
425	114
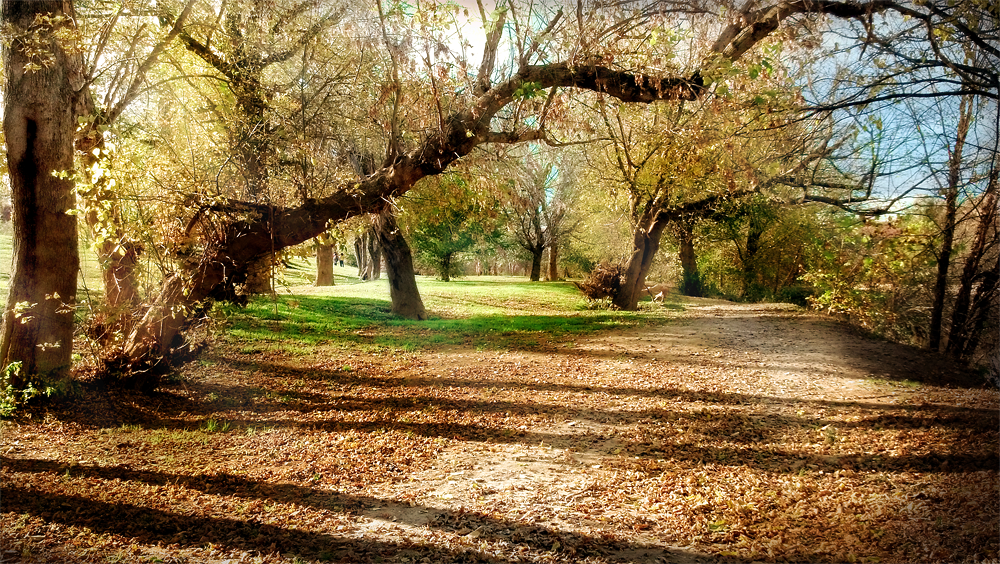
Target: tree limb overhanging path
246	237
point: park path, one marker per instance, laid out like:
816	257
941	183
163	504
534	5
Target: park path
729	431
765	360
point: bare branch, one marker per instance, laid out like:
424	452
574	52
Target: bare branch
151	59
536	42
489	51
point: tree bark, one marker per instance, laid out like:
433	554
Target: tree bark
690	277
959	333
324	263
403	290
751	288
361	256
554	261
446	268
366	250
645	244
536	263
374	254
40	120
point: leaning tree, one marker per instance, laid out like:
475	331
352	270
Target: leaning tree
522	76
599	50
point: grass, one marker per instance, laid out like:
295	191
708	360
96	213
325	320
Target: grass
484	312
89	281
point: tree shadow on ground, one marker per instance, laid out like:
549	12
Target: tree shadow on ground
747	433
151	526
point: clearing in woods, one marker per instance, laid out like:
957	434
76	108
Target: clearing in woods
732	432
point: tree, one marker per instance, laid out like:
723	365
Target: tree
249	40
403	290
950	192
691	279
971	315
368	254
539	195
926	110
43	81
677	167
447	219
486	107
121	82
325	247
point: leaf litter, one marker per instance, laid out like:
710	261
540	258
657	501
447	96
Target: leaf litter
747	433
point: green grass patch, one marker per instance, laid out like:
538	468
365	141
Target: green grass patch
89	283
482	312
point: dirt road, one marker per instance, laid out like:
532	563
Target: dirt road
731	432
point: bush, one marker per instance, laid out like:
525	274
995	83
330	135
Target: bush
12	398
603	282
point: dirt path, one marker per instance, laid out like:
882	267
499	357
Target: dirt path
732	432
777	355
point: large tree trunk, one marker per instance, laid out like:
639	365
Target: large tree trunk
690	277
399	267
948	229
242	240
446	268
645	244
40	111
324	262
536	263
985	239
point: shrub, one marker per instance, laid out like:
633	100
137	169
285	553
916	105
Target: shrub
603	282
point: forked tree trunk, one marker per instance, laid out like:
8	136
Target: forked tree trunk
536	263
985	239
948	229
324	263
374	255
645	244
399	268
40	120
361	256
